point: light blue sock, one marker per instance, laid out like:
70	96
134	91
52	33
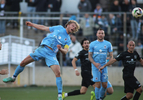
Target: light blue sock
102	92
59	84
18	70
97	94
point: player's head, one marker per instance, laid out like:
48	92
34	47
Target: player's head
72	26
85	43
131	46
100	34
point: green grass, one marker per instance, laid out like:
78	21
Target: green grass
50	93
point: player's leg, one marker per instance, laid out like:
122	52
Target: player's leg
128	96
104	79
75	92
19	69
128	88
56	70
30	58
109	88
138	93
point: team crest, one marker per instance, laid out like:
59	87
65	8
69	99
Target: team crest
105	47
65	39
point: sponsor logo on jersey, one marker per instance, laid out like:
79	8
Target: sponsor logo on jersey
104	46
127	56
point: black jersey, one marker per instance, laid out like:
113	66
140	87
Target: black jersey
85	63
129	62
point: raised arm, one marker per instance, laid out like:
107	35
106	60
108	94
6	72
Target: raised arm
40	27
74	66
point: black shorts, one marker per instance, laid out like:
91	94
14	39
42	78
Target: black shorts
86	79
130	84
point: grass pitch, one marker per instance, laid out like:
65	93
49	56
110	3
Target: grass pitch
50	93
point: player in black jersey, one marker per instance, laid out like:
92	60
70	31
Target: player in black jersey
129	59
85	70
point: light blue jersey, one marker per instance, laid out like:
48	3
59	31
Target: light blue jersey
99	54
59	36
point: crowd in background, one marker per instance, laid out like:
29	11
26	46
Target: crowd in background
89	23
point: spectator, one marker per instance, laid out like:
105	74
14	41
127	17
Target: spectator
115	7
104	4
31	10
133	21
87	25
74	48
98	9
84	6
54	6
2	21
120	45
15	7
93	3
124	5
41	6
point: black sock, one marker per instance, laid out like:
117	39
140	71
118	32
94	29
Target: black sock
75	92
124	98
136	96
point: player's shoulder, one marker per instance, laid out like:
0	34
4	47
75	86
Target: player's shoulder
108	42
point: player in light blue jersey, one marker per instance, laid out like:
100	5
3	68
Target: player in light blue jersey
59	39
98	51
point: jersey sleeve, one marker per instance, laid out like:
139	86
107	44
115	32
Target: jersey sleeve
110	49
138	56
78	55
90	48
53	28
119	57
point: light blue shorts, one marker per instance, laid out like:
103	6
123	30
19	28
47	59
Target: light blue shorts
45	52
98	76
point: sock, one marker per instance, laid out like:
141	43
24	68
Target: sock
102	92
136	96
124	98
59	95
97	94
18	70
59	84
75	92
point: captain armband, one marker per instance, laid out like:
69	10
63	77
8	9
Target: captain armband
66	46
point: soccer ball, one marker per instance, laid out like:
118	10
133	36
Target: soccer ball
137	12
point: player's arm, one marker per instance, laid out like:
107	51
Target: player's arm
92	61
111	61
63	50
141	61
74	66
40	27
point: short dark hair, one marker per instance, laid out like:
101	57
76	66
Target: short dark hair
83	41
100	29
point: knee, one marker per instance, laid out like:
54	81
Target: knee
139	90
22	63
58	74
82	92
129	96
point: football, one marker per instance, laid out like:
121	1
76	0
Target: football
137	12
